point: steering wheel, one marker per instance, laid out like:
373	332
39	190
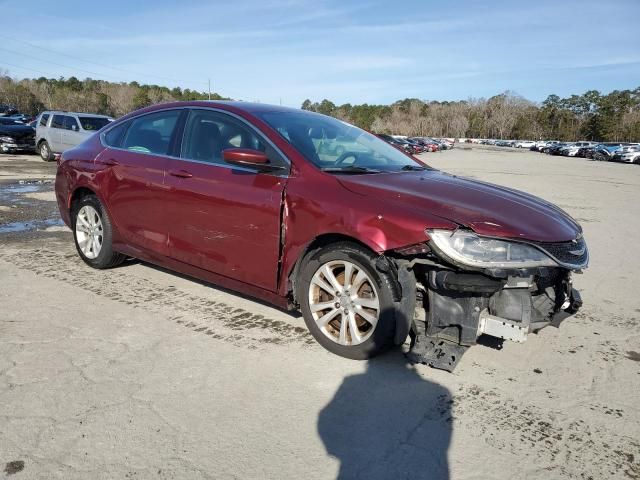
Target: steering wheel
340	160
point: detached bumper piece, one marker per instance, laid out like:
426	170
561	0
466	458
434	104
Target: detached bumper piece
435	352
460	307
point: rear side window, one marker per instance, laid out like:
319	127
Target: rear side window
151	133
43	119
93	124
113	138
70	123
58	121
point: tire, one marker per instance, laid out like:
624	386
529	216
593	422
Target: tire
88	214
45	151
379	287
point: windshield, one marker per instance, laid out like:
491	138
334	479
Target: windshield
336	146
93	123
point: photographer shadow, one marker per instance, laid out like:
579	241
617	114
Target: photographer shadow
388	423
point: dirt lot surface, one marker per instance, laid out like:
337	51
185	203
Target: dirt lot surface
139	373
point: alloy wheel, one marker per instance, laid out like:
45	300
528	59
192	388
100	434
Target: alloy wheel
344	302
44	151
89	232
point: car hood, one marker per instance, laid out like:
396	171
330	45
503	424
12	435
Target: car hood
16	129
487	209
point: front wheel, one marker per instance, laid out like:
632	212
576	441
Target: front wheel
347	304
92	233
45	151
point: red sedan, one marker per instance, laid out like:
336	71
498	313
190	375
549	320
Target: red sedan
370	243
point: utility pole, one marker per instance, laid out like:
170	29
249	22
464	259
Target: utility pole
209	88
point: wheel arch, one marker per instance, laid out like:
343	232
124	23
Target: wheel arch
79	193
319	242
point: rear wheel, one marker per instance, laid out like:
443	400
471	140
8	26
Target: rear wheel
347	304
45	151
93	233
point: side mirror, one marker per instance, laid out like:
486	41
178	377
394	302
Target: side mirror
246	157
74	128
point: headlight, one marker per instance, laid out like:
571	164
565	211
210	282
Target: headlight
467	248
7	139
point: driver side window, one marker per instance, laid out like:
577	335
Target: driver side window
208	133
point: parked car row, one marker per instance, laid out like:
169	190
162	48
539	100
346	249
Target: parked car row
610	151
415	145
49	134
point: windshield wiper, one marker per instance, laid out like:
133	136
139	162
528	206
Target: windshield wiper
412	168
349	169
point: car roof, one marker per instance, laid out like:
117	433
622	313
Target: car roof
231	105
84	114
251	107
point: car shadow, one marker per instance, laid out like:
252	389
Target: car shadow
388	423
134	261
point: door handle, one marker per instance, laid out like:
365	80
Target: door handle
180	173
110	162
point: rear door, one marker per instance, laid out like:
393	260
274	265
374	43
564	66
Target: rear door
132	177
225	218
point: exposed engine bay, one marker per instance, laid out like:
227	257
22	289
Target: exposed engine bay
456	306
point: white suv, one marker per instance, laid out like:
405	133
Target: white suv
58	131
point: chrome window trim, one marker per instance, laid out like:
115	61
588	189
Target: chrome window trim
284	173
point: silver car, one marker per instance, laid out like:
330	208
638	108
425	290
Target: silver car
59	131
628	154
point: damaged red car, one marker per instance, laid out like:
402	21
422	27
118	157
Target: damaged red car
370	243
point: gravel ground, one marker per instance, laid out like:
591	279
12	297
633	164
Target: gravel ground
136	372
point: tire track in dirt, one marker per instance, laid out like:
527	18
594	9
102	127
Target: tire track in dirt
214	318
568	447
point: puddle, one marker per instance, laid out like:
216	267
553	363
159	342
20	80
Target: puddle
24	188
11	193
16	227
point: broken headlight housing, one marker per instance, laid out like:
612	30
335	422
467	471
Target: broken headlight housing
466	248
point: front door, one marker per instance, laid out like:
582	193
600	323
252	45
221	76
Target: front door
71	134
225	219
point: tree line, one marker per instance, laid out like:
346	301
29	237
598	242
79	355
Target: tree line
32	96
592	116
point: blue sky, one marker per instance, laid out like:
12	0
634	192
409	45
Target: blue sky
347	51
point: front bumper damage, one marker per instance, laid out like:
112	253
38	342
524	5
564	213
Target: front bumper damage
455	309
